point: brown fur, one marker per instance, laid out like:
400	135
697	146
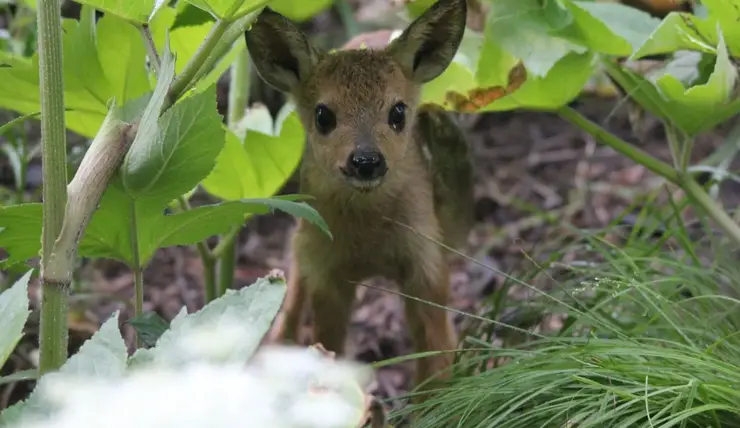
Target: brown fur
433	198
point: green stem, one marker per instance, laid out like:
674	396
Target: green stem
151	49
226	262
53	335
685	181
183	81
714	211
138	270
207	258
225	251
605	137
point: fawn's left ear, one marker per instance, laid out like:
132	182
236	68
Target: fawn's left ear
426	48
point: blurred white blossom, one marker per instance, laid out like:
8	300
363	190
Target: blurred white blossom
281	387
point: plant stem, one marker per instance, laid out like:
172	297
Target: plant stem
683	180
151	49
207	258
184	80
53	335
225	251
605	137
714	211
137	268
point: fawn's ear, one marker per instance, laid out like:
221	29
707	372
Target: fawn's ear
426	48
281	53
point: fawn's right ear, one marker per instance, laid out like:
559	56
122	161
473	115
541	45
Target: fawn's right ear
281	53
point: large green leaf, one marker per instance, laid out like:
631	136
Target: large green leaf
608	28
123	54
20	232
226	330
258	164
13	315
183	41
132	10
485	77
103	356
523	29
694	109
727	14
228	8
100	62
680	31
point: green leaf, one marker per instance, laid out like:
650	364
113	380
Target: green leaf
100	62
171	146
703	100
20	376
679	31
183	41
9	125
727	14
225	9
122	51
484	77
608	28
13	315
228	329
300	10
20	232
522	28
693	110
149	327
132	10
200	223
260	164
104	355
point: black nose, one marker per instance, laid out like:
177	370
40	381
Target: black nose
366	165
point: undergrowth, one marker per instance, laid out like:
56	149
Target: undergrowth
649	338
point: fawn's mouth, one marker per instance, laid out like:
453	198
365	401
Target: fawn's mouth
359	183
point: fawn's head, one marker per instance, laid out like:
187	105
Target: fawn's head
357	106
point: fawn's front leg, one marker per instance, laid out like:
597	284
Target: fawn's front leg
331	296
430	327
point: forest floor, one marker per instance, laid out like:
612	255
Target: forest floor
527	164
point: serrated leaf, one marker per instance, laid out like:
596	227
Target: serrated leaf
189	137
104	355
260	164
149	327
228	8
227	330
13	315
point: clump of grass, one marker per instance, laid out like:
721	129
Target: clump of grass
650	339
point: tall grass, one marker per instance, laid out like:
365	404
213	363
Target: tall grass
650	339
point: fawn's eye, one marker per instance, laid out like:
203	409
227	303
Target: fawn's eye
325	119
397	117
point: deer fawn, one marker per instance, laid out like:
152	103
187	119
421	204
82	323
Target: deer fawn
384	173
